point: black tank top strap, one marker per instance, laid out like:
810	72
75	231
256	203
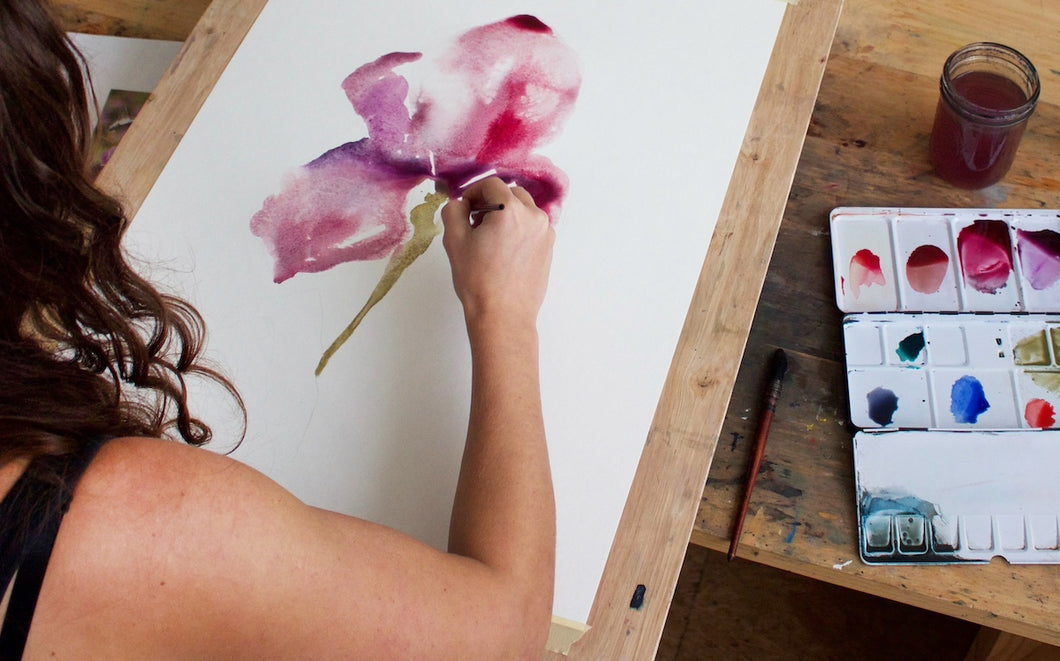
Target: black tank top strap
30	515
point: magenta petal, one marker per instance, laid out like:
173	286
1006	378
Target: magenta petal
518	83
378	95
545	182
347	205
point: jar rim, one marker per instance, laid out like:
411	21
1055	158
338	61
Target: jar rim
1014	62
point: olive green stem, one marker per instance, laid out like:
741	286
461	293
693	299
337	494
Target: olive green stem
424	229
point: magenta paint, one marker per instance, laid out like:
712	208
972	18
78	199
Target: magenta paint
865	271
985	252
1039	253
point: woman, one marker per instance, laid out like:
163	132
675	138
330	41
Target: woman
169	551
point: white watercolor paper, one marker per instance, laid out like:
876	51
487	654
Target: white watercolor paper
667	92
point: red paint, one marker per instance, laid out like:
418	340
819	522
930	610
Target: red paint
985	250
865	271
976	132
926	268
529	23
1039	414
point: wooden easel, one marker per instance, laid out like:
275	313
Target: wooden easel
657	521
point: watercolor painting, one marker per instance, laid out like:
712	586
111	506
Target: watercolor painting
501	91
380	433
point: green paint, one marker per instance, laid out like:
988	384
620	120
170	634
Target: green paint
909	349
424	229
1032	350
1054	336
1048	380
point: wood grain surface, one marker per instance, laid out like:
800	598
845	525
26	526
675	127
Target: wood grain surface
867	146
654	530
155	19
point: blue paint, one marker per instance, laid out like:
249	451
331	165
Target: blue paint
900	528
968	400
791	535
882	405
637	602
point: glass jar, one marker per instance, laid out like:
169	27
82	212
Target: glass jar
987	92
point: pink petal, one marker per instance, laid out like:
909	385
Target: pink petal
347	205
378	95
511	86
545	182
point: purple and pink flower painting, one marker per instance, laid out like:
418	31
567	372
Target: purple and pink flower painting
501	91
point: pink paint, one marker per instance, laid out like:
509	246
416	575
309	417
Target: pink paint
926	268
1039	414
865	271
1039	257
985	251
500	92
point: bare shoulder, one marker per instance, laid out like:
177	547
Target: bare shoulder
173	551
158	534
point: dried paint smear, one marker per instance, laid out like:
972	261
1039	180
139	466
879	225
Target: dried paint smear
985	250
968	400
926	268
882	405
865	271
1039	256
910	347
1040	414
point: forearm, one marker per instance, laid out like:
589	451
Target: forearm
504	512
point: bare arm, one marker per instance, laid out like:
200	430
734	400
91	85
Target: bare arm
504	513
174	552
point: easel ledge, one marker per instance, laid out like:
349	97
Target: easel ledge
661	508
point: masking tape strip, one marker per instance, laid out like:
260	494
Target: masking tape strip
563	633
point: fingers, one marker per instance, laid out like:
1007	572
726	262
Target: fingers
455	217
490	192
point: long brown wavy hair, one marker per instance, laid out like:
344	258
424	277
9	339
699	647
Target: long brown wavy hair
88	348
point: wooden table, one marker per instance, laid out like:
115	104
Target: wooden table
658	518
867	146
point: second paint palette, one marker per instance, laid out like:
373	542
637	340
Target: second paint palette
935	371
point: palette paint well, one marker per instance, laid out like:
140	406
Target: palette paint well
936	371
946	260
952	497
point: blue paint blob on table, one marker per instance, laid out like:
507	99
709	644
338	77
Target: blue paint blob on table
637	602
968	400
909	349
882	405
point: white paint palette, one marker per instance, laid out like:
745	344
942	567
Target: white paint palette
946	260
936	496
937	371
953	371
